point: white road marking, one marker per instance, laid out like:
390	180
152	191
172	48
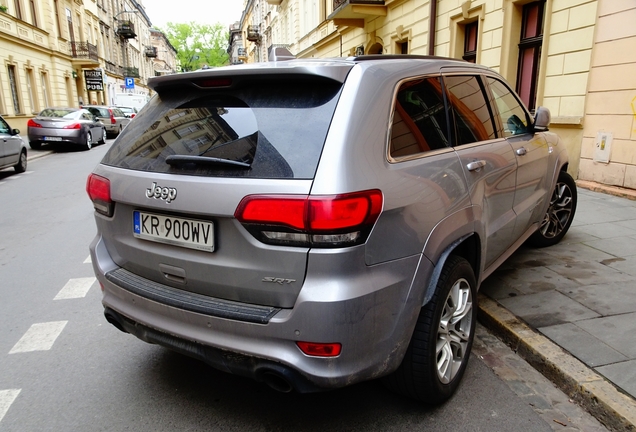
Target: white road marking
88	260
39	337
6	399
75	288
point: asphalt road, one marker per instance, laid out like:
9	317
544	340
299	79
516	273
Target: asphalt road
64	368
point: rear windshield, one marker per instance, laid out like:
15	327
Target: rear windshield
272	129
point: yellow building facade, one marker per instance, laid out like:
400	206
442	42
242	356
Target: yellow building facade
71	52
575	57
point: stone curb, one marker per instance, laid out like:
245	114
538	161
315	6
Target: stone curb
600	398
607	189
31	156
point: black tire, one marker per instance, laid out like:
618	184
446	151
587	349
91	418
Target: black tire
21	166
35	145
560	214
89	141
103	138
426	373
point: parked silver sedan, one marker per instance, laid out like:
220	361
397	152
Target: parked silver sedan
65	125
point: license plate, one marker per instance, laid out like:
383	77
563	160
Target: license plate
47	138
182	232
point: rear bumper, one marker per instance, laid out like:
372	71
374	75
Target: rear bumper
371	311
74	136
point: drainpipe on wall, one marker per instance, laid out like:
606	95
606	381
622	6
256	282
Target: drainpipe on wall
432	20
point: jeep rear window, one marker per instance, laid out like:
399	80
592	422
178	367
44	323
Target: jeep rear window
256	129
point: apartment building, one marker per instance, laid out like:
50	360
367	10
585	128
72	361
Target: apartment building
72	52
576	57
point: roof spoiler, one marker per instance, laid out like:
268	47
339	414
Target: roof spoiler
278	53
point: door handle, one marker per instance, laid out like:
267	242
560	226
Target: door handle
521	151
475	165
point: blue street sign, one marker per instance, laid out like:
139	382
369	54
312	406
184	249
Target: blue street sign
130	83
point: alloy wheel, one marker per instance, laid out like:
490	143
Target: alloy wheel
559	212
454	331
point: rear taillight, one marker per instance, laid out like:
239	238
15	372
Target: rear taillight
98	189
73	126
317	221
112	117
33	123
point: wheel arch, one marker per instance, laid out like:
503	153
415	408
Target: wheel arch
468	247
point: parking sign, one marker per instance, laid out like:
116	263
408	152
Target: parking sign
130	83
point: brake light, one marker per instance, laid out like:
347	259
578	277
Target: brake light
112	117
73	126
33	123
321	221
98	189
214	82
320	349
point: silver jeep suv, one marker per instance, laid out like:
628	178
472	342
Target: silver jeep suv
317	223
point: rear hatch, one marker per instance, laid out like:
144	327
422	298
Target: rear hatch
179	172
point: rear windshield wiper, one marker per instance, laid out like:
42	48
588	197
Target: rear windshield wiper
203	160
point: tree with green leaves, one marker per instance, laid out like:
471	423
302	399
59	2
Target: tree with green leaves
198	44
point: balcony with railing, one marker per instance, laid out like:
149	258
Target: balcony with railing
253	33
356	10
131	72
84	54
150	51
114	69
126	29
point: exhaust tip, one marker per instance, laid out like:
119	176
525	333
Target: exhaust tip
114	320
276	381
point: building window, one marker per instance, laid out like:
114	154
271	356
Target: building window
57	18
2	107
13	85
18	9
44	81
69	19
69	92
402	47
530	52
34	18
470	42
32	91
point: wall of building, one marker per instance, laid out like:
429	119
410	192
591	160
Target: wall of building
46	70
608	152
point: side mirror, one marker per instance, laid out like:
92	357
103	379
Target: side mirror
15	131
542	119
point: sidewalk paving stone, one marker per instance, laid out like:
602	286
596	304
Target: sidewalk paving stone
583	345
581	295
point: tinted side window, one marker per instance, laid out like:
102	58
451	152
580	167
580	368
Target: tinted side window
513	117
473	117
4	128
419	118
